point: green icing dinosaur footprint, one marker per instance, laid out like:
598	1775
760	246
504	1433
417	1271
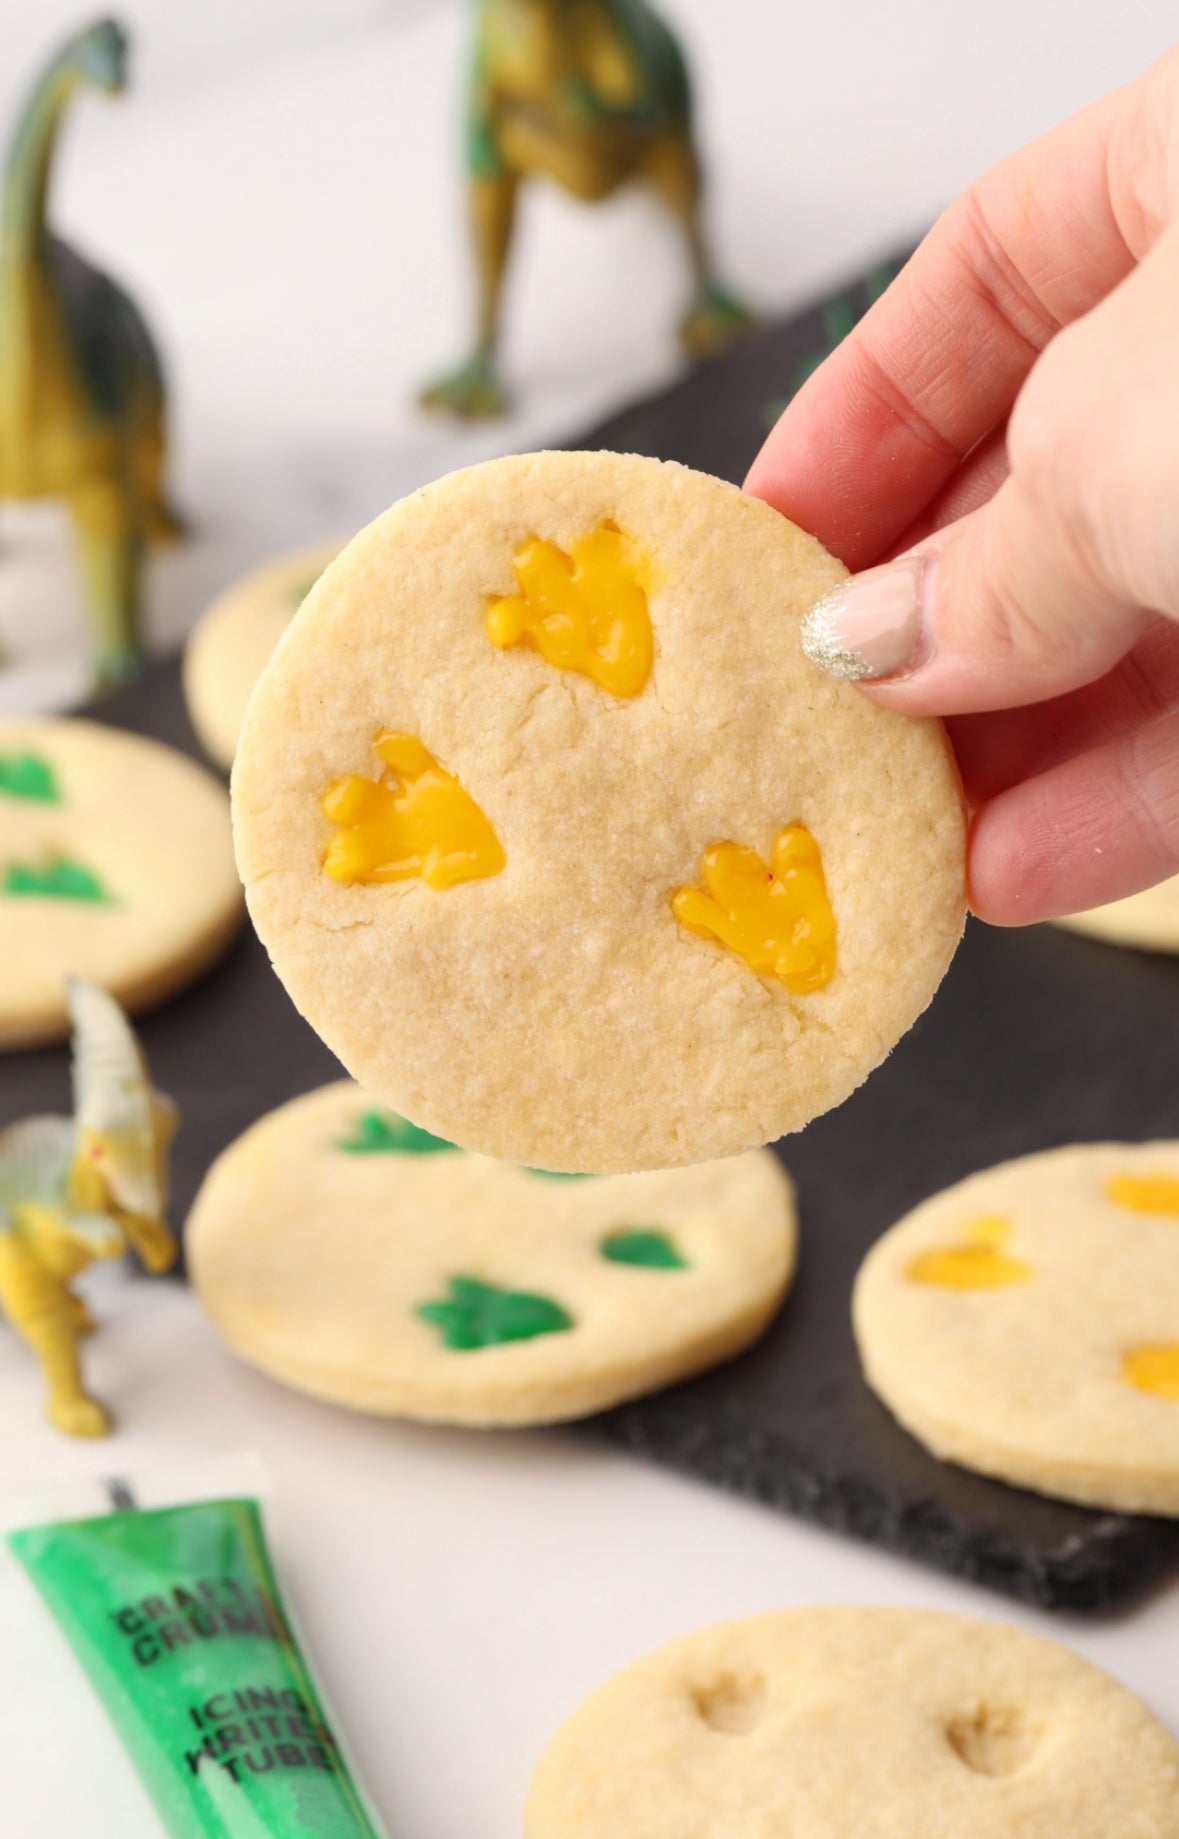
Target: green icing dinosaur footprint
645	1247
555	1175
28	775
58	879
379	1133
477	1314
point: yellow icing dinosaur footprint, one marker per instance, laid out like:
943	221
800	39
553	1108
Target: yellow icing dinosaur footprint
1145	1193
585	612
981	1263
416	820
1154	1370
778	919
1150	1369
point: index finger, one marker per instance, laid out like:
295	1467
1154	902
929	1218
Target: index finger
936	364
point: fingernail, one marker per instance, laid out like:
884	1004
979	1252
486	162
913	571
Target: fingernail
871	625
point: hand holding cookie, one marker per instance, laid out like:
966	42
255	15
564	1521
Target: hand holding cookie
1004	422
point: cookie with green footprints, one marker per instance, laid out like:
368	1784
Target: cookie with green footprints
356	1257
116	865
231	643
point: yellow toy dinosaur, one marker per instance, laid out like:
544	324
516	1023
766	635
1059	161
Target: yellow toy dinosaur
74	1190
81	389
591	94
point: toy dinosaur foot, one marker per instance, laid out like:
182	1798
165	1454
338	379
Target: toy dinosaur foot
157	1249
118	664
474	393
78	1416
715	321
83	1321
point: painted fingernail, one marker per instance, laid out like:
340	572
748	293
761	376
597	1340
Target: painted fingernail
871	625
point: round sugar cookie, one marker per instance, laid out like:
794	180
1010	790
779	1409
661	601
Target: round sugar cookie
1025	1323
350	1254
116	865
228	647
1148	920
560	842
859	1724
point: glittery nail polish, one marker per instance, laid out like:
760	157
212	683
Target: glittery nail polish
870	626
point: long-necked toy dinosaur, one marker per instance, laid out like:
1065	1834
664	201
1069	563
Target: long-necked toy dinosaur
81	387
591	94
73	1190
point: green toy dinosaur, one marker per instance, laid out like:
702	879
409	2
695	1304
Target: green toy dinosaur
81	389
591	94
74	1190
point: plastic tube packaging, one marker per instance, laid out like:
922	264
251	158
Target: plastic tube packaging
177	1617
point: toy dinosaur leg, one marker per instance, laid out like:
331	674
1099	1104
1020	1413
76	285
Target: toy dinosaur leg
44	1313
161	521
151	1241
474	390
105	514
715	318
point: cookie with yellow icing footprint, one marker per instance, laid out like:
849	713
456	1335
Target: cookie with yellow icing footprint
560	842
1025	1323
230	644
858	1724
116	865
1148	921
361	1259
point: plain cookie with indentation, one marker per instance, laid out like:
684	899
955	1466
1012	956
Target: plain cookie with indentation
116	866
557	838
231	643
354	1256
859	1724
1025	1324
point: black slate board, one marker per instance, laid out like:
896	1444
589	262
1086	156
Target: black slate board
1035	1039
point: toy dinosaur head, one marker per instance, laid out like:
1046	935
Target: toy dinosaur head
99	55
125	1127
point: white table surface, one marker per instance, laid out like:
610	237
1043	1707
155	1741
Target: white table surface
282	191
461	1592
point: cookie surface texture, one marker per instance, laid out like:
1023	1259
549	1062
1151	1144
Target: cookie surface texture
1025	1324
859	1724
728	884
116	865
231	643
364	1261
1148	921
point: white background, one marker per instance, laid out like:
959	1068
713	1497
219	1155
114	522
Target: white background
281	189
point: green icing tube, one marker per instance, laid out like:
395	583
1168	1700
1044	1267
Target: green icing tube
177	1617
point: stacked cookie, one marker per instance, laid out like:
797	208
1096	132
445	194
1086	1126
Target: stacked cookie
1025	1324
116	866
359	1258
232	641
